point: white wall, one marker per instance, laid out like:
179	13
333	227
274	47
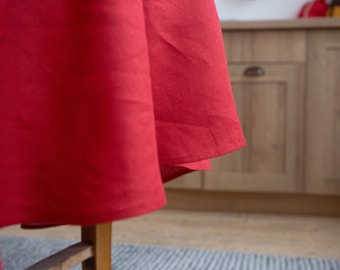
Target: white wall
258	9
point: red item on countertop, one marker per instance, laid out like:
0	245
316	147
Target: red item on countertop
103	101
316	8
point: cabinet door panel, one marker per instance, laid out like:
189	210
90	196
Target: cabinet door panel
264	123
322	171
269	111
189	181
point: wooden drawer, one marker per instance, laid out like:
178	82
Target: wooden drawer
265	46
271	72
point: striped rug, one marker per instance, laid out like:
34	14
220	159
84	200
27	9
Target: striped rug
19	252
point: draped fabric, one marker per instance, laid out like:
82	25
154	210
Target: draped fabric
103	101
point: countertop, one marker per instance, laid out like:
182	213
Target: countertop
312	23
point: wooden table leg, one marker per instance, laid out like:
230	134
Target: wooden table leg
100	237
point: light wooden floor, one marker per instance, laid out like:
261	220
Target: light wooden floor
266	234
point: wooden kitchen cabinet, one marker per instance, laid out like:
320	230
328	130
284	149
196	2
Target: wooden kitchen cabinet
269	108
268	46
322	137
189	181
290	114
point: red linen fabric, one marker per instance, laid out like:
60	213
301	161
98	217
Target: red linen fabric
103	101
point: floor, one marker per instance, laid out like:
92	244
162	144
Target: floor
266	234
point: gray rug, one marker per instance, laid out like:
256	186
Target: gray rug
18	253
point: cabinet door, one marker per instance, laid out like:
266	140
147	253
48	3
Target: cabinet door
322	170
189	181
269	107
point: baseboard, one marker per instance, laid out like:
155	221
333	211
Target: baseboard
299	204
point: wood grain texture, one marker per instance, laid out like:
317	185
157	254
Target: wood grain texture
294	24
269	203
99	237
265	46
94	251
322	170
66	258
190	181
269	108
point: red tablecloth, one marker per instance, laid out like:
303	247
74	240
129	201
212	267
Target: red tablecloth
101	101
